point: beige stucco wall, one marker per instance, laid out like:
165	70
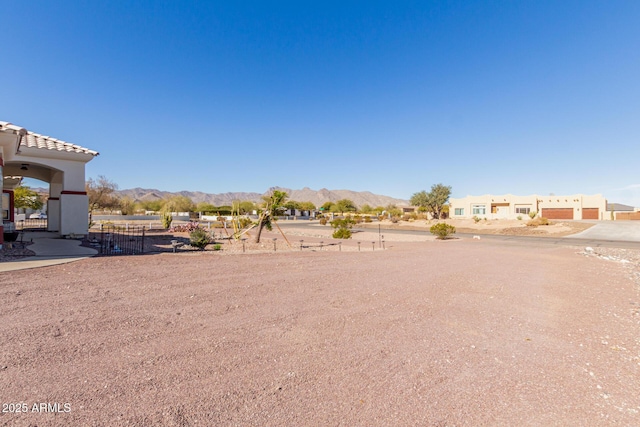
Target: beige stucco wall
505	205
74	214
468	203
577	202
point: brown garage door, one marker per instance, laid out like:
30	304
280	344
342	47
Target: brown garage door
558	213
590	213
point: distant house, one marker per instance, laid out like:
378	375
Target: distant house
61	164
577	206
622	212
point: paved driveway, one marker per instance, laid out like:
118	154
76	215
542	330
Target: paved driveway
612	230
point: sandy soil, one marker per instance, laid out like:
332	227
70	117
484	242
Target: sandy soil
497	226
367	235
436	333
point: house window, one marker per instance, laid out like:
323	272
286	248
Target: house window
459	211
523	211
479	209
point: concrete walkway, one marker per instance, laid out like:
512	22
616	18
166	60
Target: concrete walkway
50	249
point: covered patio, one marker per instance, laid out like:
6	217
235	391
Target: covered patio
61	164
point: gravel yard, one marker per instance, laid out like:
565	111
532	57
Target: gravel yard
459	332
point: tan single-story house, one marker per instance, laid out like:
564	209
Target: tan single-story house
577	206
61	164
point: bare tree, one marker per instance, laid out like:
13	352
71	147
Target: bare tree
100	194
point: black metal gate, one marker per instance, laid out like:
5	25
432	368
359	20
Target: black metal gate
115	240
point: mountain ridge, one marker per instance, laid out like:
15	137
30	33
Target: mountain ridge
306	194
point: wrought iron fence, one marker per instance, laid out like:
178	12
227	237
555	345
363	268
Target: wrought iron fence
32	224
115	240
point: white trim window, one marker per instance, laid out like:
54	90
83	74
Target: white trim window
522	210
479	209
458	211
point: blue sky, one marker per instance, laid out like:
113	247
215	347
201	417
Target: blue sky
497	97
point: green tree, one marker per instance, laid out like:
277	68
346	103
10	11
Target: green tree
247	207
26	198
393	210
292	204
434	201
179	204
366	209
326	207
205	207
345	205
152	205
224	210
127	205
272	204
307	206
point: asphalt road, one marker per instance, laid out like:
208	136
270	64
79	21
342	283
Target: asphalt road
614	234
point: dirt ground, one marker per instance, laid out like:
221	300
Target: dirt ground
292	237
514	227
435	333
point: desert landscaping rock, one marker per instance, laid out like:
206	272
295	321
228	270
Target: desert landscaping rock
463	332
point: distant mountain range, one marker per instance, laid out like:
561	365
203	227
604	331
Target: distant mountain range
317	197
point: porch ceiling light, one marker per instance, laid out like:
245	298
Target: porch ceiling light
24	167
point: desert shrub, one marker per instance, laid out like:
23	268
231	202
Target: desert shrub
199	238
217	247
343	228
538	221
406	217
476	219
519	217
358	219
533	214
442	231
342	233
323	221
394	219
367	219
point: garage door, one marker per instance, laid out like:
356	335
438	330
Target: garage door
558	213
590	213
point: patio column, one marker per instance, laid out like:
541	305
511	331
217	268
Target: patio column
74	213
53	204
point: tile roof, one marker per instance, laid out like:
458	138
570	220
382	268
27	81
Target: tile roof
35	140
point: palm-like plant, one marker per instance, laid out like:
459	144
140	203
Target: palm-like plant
272	204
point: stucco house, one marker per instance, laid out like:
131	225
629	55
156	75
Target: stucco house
27	154
577	206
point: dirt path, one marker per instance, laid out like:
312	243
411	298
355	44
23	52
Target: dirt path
463	332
